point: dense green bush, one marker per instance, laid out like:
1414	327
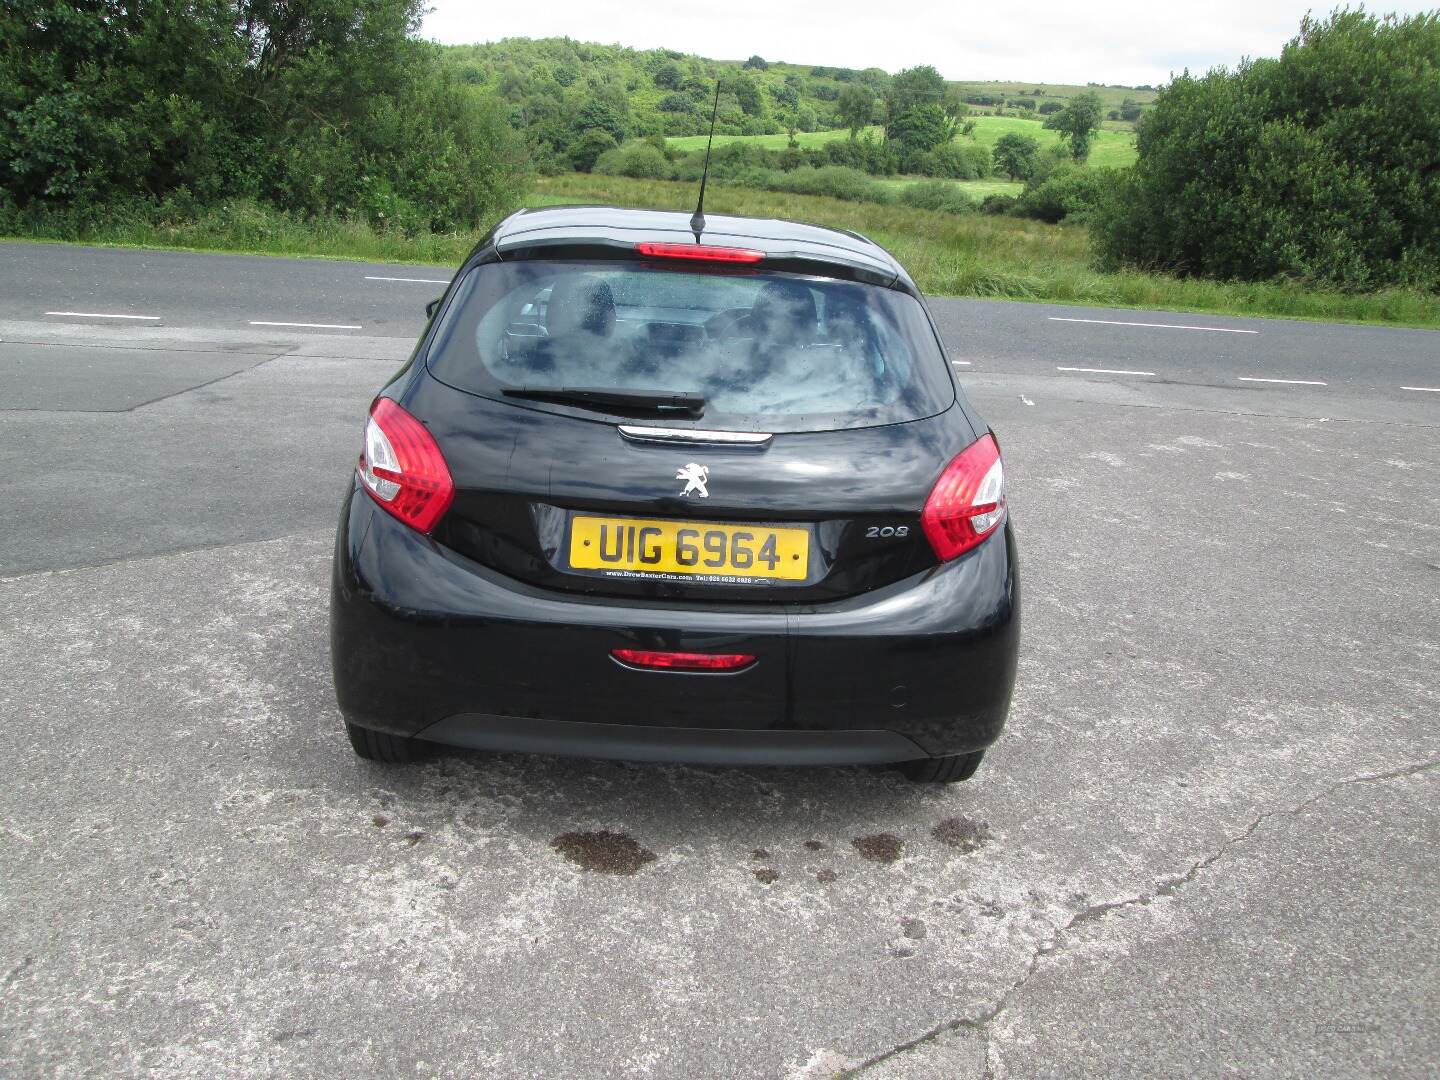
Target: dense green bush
1016	156
955	161
1068	191
936	195
917	131
1323	165
639	160
677	103
334	109
835	181
547	161
598	114
586	150
998	204
868	155
730	160
659	142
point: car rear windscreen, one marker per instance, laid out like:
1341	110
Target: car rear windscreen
768	351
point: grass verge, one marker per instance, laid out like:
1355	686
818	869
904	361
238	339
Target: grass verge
247	228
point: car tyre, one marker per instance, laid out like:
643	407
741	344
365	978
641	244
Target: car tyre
380	746
943	770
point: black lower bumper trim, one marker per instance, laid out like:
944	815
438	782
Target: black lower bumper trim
700	746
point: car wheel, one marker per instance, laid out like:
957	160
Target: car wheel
379	746
943	770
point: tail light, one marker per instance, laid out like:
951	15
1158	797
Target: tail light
699	252
683	661
968	501
402	467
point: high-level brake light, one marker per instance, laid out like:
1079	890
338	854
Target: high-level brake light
682	661
402	467
968	501
699	252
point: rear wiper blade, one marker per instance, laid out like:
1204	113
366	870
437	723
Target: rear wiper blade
659	401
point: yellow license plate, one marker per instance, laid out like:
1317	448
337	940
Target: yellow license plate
636	547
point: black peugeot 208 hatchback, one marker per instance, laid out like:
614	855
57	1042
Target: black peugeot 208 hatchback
651	495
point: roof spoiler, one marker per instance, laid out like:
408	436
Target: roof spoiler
783	260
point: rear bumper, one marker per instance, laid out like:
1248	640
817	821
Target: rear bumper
429	644
649	742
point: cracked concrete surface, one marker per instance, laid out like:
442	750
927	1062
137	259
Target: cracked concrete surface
1205	845
949	1048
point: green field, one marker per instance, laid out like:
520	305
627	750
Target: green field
1112	147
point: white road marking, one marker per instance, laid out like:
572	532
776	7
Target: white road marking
417	280
1424	389
1104	371
101	315
961	363
309	325
1287	382
1156	325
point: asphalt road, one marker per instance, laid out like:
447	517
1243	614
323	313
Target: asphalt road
1205	845
163	288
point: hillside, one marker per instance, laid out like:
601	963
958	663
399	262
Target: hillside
664	92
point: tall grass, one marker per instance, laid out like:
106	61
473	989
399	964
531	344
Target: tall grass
975	190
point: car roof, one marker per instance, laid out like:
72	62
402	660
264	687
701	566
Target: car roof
616	226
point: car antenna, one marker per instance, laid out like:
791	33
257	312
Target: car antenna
697	219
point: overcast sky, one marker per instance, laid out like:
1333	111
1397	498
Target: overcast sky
1132	42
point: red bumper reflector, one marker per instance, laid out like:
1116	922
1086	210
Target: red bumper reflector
683	661
699	252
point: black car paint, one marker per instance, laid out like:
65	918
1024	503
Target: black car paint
420	633
518	472
481	622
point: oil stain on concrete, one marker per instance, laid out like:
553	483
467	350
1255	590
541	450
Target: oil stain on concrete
962	834
879	847
604	852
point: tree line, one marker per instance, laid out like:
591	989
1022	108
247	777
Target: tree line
547	82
